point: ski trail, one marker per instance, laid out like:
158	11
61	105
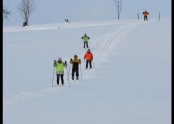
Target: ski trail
25	96
108	42
111	41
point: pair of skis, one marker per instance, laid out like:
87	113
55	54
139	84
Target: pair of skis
67	76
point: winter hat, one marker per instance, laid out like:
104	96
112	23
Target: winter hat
88	50
75	56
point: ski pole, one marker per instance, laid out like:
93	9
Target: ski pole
68	76
80	71
83	69
69	67
93	63
84	61
89	43
67	73
53	76
81	44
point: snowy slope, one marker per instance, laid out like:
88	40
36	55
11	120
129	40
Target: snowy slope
130	83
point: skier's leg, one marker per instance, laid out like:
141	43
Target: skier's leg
87	44
77	73
57	79
84	45
62	79
90	64
86	64
72	74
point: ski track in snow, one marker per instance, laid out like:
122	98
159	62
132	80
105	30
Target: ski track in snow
108	42
111	41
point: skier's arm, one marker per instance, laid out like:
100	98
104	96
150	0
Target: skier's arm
55	63
79	61
65	64
71	61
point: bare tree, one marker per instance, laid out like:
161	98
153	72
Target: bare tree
118	5
159	16
26	8
6	13
138	16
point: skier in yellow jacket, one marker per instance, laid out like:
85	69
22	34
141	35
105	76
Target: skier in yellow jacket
59	65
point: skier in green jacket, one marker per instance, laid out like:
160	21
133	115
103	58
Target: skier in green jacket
86	40
59	65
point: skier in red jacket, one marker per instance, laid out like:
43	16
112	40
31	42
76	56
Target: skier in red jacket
145	13
89	57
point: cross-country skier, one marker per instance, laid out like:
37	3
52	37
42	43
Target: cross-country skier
145	13
86	40
59	65
89	57
75	66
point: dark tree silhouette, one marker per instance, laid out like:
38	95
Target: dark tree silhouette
26	8
118	5
6	13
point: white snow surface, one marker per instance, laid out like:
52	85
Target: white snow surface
130	82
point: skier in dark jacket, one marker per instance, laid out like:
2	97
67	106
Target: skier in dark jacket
75	66
89	57
59	65
86	40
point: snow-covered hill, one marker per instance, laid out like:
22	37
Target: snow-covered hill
130	82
